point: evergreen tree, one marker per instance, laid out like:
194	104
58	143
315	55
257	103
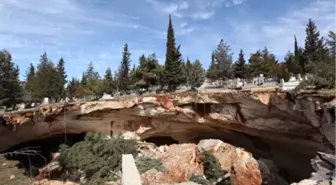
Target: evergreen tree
313	47
46	73
331	43
197	76
298	66
124	70
212	72
10	87
61	79
84	79
29	85
223	60
109	84
94	84
188	70
291	63
174	70
263	62
239	69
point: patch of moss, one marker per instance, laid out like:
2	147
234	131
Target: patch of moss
9	168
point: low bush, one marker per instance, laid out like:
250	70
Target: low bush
199	179
96	158
145	163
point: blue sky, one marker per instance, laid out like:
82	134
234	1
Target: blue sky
81	31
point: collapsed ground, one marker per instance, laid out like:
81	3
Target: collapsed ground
287	132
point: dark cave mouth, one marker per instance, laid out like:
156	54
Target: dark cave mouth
258	147
35	154
161	140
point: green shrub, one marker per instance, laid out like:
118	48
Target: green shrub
95	157
212	168
199	179
145	163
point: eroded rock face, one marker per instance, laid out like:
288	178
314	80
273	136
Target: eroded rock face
287	131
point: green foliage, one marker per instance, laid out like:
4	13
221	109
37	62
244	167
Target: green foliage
95	157
221	62
44	83
10	87
291	63
9	168
281	71
124	75
263	62
199	179
196	76
239	68
146	71
60	79
174	71
212	168
331	42
109	85
212	73
145	163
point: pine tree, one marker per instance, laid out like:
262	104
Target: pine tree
46	73
109	84
61	79
124	70
239	69
10	87
312	50
263	62
197	76
223	60
94	84
174	71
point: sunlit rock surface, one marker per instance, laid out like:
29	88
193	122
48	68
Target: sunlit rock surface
289	130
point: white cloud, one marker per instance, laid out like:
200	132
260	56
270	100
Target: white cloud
203	15
170	8
278	35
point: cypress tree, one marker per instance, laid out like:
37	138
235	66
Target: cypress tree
61	78
299	63
239	70
188	66
174	70
29	86
124	70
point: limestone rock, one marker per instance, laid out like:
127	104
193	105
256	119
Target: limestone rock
263	123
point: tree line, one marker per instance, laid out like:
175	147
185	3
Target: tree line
316	57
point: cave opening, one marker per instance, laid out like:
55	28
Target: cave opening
161	140
290	164
36	154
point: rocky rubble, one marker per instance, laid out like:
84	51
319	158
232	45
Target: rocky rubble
181	161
